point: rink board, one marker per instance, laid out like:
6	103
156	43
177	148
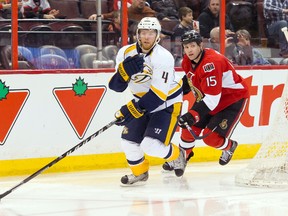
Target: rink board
48	116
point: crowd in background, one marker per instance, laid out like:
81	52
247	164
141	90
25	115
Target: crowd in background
178	17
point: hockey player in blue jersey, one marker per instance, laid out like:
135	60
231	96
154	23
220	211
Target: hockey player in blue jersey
150	118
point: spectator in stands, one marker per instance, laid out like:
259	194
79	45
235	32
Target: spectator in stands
214	41
115	26
5	10
209	18
186	22
117	4
194	5
8	5
38	9
242	14
204	4
276	16
110	15
136	11
139	10
5	6
166	10
244	53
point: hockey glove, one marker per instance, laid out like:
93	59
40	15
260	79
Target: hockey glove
191	118
128	112
130	66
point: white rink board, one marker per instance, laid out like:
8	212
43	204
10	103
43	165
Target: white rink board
42	130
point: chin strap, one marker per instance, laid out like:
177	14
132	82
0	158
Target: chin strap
200	53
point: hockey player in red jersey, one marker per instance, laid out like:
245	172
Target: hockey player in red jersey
221	95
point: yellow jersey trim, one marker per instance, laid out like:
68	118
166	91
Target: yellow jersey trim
159	93
173	121
129	49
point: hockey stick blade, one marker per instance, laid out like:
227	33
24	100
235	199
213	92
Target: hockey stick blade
195	136
79	145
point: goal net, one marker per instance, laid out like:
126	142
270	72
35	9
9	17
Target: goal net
269	167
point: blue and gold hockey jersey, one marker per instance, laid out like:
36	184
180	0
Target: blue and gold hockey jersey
157	86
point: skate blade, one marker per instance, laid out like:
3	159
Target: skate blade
172	179
167	171
170	173
136	184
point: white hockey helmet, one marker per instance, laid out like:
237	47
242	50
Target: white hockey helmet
150	23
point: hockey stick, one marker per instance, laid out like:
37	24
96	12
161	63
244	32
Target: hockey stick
79	145
194	135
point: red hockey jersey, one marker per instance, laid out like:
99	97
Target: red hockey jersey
214	80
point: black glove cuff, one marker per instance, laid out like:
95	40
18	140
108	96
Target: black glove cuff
201	108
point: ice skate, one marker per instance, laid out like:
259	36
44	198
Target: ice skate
227	155
179	164
168	166
134	180
189	156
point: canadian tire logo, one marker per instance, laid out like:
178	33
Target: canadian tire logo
11	104
79	104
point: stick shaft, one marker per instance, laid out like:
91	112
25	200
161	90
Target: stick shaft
195	136
56	160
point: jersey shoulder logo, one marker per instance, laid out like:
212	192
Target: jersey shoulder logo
209	67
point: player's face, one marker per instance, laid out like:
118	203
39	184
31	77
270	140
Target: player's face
192	50
147	38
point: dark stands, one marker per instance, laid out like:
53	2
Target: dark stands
70	29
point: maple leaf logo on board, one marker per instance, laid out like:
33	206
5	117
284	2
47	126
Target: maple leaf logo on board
79	104
4	90
11	103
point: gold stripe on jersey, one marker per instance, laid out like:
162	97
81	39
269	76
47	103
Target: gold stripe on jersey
131	48
140	168
176	88
176	112
159	93
172	91
162	95
140	94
